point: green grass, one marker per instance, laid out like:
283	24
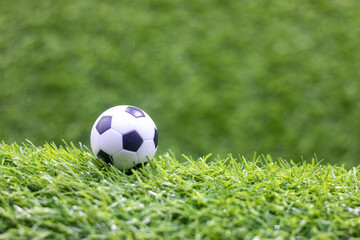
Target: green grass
242	76
52	192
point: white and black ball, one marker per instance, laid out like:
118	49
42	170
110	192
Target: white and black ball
124	136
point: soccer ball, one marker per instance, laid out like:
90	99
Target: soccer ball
124	136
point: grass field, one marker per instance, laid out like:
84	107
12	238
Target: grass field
279	78
52	192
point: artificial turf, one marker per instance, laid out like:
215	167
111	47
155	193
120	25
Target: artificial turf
279	77
64	192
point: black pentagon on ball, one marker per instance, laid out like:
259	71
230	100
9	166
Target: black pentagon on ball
136	112
105	157
156	138
132	141
104	124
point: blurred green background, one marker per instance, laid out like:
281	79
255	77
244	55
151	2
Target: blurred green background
279	77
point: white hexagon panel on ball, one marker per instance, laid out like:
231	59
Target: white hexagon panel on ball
125	160
124	136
